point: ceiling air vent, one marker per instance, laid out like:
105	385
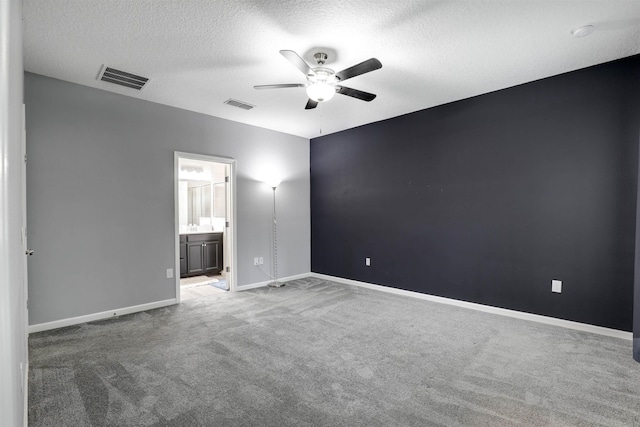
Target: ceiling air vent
122	78
239	104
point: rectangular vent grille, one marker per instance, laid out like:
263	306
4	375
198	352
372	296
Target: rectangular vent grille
122	78
239	104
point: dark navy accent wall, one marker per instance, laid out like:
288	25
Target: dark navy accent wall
490	198
636	292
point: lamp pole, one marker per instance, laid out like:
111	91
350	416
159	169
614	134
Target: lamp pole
274	262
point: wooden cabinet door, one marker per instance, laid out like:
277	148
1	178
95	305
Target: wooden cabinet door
183	267
210	252
183	259
195	262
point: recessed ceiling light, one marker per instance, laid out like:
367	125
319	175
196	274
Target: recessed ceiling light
583	31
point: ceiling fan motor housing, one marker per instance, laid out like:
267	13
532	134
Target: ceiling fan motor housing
320	58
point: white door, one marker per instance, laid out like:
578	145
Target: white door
227	226
230	226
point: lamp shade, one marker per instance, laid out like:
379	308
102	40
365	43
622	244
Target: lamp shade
272	182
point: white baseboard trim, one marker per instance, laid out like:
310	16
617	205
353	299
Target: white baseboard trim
473	306
99	316
136	308
252	286
486	308
281	279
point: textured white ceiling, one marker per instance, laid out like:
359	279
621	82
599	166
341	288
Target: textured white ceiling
200	53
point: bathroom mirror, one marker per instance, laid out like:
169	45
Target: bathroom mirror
199	202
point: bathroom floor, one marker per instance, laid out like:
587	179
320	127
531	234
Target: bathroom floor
200	286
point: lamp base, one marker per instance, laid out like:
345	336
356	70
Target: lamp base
275	284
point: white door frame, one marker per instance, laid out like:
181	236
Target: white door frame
230	238
25	268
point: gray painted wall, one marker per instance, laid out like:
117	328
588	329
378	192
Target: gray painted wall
101	195
13	328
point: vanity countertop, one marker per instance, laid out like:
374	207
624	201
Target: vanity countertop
200	232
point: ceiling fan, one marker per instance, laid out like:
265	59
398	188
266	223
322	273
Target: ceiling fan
322	82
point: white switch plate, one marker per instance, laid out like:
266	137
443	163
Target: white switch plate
367	262
255	261
556	286
261	260
169	273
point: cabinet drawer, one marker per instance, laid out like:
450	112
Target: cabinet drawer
183	238
205	237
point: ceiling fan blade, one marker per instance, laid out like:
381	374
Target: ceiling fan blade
355	93
297	62
311	104
280	86
361	68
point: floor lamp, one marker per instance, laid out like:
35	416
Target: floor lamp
274	261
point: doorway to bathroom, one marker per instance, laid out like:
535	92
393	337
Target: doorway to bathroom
204	225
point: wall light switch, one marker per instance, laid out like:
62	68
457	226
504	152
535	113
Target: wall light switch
261	261
169	273
256	261
556	286
367	262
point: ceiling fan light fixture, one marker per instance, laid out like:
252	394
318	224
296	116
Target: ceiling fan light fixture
322	85
321	91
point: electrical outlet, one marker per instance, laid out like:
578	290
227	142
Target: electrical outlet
367	262
556	286
169	273
256	261
261	260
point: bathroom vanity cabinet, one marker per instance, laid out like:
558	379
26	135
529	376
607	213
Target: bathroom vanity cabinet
200	253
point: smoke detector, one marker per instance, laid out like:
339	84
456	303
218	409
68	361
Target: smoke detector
583	31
